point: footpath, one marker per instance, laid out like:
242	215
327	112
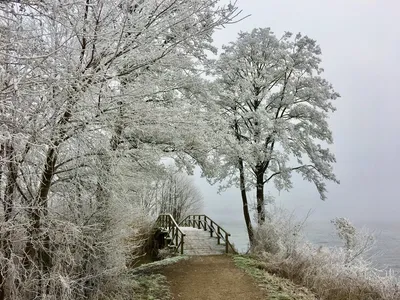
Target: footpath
211	278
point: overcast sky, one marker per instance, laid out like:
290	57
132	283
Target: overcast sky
360	42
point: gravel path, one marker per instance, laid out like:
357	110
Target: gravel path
211	278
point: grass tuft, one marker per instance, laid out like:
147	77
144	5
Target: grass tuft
277	288
151	287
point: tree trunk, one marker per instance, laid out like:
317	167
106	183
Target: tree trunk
8	205
260	195
37	249
39	208
246	213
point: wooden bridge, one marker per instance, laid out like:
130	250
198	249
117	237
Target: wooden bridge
194	235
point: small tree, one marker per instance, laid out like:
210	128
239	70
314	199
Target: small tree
356	242
276	104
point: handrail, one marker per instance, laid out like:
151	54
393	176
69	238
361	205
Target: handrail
168	222
203	221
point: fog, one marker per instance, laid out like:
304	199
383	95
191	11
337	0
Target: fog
360	42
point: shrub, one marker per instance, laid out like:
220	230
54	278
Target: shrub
279	235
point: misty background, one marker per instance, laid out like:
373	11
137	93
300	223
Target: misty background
360	42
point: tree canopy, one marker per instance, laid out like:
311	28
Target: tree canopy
275	102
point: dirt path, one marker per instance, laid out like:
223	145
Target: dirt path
211	278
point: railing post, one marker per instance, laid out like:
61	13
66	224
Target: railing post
198	226
211	229
205	223
226	242
182	242
219	235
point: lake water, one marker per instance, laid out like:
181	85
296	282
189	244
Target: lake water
385	253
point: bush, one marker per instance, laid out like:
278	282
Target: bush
279	235
85	259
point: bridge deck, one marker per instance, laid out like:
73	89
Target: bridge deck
199	242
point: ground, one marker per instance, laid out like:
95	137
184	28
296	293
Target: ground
211	278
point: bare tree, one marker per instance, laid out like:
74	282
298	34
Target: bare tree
179	197
173	193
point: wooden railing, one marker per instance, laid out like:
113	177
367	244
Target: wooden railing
205	223
167	222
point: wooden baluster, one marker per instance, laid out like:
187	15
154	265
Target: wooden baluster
205	223
198	226
219	235
182	242
226	242
211	229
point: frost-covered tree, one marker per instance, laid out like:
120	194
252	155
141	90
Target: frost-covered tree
173	193
275	103
89	94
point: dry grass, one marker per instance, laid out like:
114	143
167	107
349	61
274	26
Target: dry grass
137	287
332	282
330	273
278	288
